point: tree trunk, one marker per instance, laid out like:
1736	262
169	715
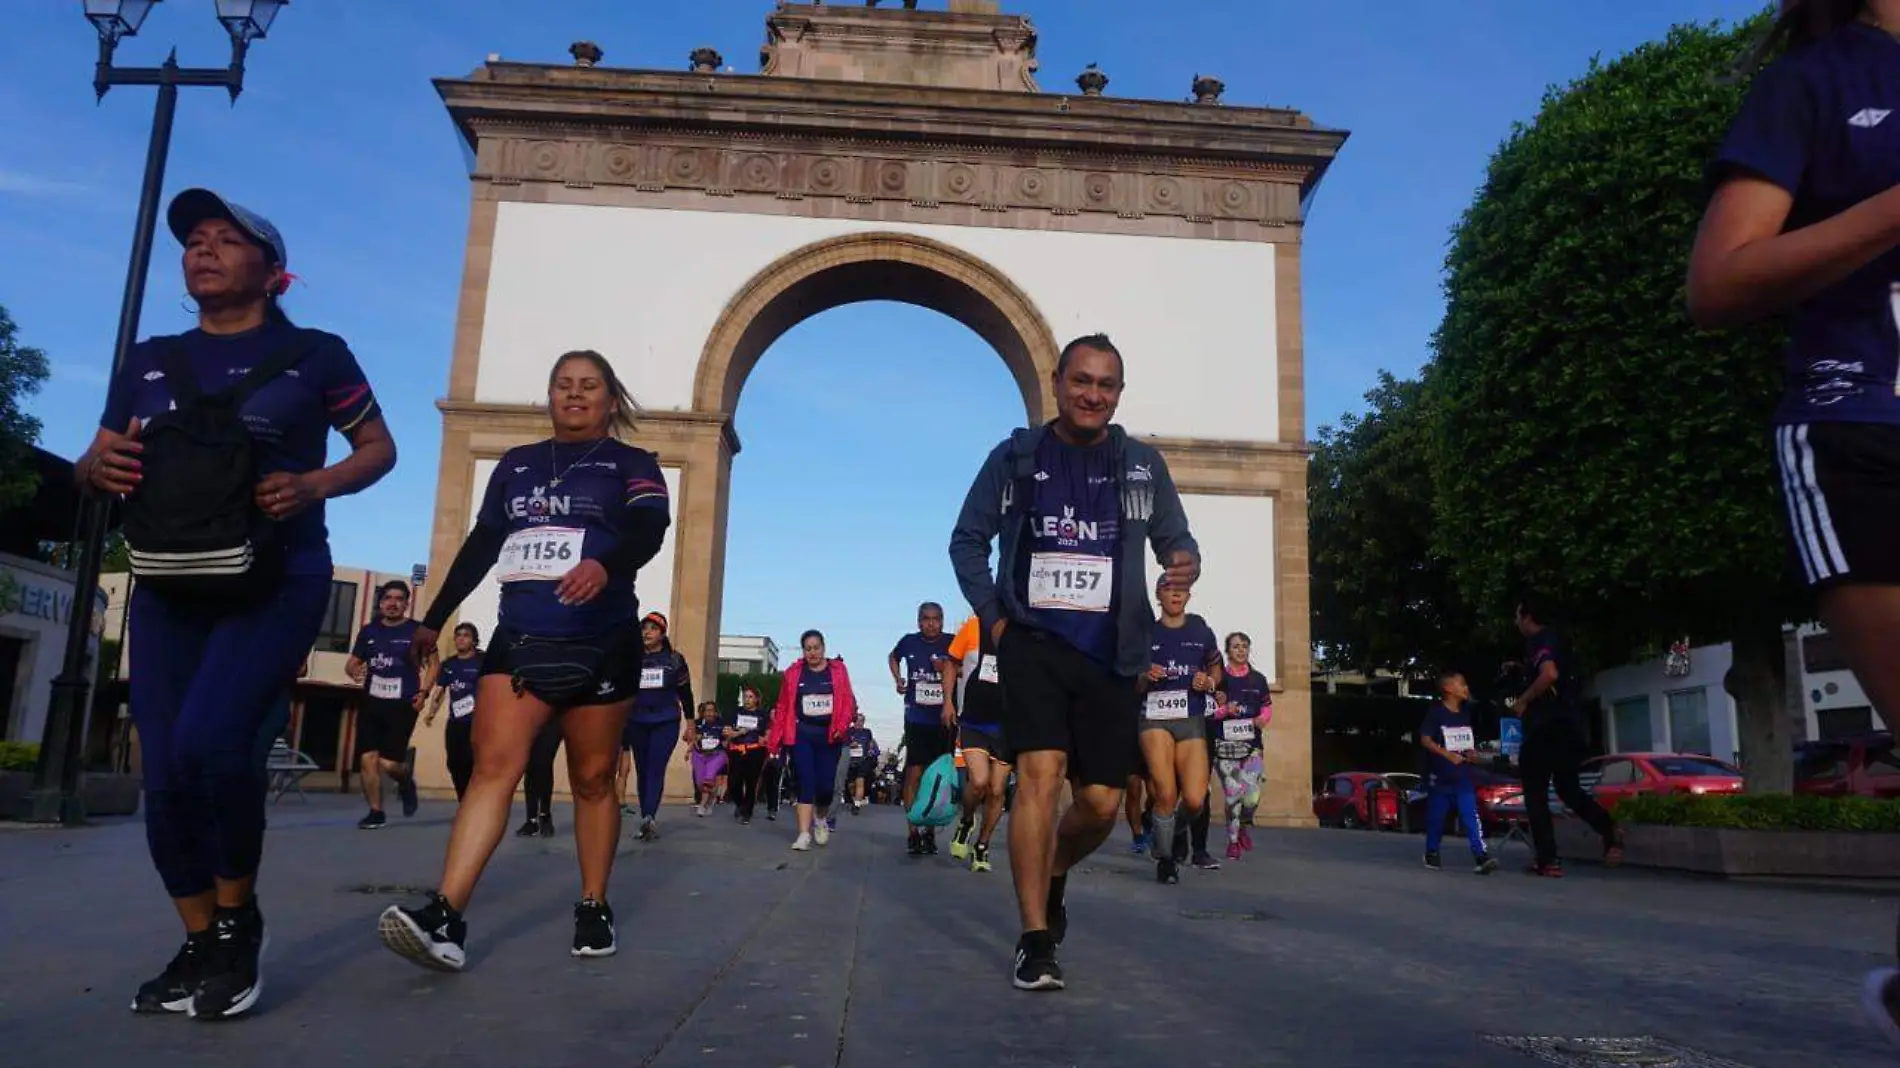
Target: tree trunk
1757	680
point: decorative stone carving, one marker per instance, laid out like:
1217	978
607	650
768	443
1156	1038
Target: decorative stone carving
972	46
1092	81
706	61
1207	90
585	53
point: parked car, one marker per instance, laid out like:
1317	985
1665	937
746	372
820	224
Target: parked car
1493	789
1621	775
1867	765
1342	801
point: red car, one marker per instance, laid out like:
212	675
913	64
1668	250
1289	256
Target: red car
1342	801
1868	766
1620	775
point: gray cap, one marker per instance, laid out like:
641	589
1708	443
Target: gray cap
194	206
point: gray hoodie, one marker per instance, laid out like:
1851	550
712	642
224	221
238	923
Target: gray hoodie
997	505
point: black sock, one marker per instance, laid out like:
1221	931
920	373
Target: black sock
1057	885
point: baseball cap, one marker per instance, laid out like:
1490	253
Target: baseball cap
194	206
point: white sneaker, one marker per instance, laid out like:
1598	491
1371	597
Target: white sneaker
821	832
802	843
699	810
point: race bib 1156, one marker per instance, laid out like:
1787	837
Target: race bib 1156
539	553
1071	582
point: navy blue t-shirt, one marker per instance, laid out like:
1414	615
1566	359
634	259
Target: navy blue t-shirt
750	725
1236	734
923	678
713	730
561	503
1823	123
1561	701
459	675
1183	651
385	648
1074	530
859	745
1463	737
1247	694
290	417
815	699
663	681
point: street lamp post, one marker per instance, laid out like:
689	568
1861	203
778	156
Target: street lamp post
54	797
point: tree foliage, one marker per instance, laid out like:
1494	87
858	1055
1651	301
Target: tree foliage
22	371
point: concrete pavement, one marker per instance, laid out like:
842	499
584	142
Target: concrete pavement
1323	948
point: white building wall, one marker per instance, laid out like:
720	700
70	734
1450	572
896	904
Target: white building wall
1236	587
1194	319
1708	666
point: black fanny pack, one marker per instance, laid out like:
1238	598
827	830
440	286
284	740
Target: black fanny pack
560	671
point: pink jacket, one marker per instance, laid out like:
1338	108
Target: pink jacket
844	705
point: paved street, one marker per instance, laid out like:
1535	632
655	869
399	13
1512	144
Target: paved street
1328	948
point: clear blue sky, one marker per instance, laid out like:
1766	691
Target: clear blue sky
341	140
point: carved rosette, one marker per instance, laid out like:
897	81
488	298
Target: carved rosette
1208	90
705	61
1092	81
585	53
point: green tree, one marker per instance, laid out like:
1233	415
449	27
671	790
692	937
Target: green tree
1606	452
22	371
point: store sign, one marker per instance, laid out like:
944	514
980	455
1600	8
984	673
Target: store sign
35	601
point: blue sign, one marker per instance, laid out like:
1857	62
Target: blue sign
1510	736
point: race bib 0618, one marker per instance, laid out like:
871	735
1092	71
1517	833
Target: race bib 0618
461	706
816	705
930	693
1237	730
1168	704
1070	582
539	554
384	688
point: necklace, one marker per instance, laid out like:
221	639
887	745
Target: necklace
554	458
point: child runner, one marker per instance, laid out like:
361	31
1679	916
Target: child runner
1450	740
1241	718
708	757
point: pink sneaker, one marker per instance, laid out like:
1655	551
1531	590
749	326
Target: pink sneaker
1233	850
1246	839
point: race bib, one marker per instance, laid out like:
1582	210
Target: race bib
816	705
384	688
1070	582
1459	739
461	706
539	554
708	743
747	722
986	669
930	693
1168	704
857	752
653	678
1237	730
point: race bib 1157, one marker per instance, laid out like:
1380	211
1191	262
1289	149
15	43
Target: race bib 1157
1071	582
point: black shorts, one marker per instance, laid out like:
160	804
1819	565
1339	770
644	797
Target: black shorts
1054	698
988	739
620	656
383	726
924	743
1841	485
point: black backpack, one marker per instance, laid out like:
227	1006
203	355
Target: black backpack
192	526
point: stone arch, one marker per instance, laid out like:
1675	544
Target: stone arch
877	266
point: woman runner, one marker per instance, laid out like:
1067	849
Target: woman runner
1185	669
745	748
1805	219
1240	723
814	710
708	757
207	677
455	683
969	677
661	719
569	521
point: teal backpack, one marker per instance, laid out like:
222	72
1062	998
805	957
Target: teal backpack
937	794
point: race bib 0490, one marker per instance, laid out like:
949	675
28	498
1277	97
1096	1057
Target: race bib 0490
653	678
930	693
539	553
816	705
1459	739
384	688
1071	582
747	722
1168	704
461	706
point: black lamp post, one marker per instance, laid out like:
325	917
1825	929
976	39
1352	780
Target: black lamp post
54	797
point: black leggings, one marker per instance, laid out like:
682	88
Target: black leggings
743	772
457	738
540	778
1553	753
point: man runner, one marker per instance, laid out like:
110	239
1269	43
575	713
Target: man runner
860	747
1554	747
927	719
971	676
394	691
1070	504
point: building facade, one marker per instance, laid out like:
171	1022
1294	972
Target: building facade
36	606
745	654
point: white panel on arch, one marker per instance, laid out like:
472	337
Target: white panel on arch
1194	318
1237	561
655	587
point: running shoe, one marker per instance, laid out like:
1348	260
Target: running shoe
1880	997
700	811
1552	870
831	822
527	830
1233	850
171	989
960	842
821	832
1484	865
772	814
980	857
1433	862
629	810
234	967
544	826
915	846
593	929
802	843
1167	871
930	842
433	936
1206	862
1246	839
375	821
1138	845
1036	967
406	785
1613	846
745	821
649	830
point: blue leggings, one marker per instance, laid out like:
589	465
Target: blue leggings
1440	804
815	766
652	745
207	690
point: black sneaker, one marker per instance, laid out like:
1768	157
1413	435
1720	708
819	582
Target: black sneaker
1036	967
406	787
233	969
434	936
1484	865
594	929
375	821
544	826
529	829
1167	871
1206	862
915	846
1433	862
930	843
171	991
